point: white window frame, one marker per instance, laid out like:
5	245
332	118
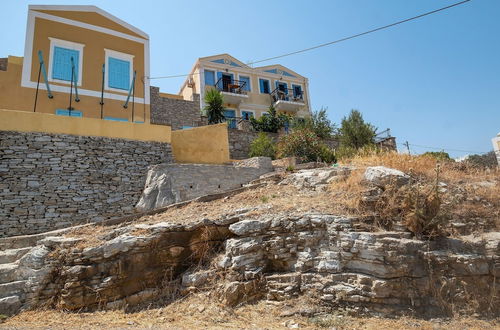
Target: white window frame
270	87
68	45
249	80
120	56
247	110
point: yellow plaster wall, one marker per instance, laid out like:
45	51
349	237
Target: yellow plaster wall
205	145
91	18
22	121
93	53
13	96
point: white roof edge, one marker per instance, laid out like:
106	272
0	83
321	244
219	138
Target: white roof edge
90	8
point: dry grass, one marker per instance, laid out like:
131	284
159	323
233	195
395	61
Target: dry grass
464	200
200	311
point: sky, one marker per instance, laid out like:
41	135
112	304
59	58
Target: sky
435	82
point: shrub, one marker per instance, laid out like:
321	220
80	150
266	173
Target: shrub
487	160
215	106
262	146
272	122
354	132
305	145
319	123
327	155
438	155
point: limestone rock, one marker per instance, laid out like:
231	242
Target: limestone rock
381	176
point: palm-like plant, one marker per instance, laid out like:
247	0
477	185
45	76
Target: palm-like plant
214	107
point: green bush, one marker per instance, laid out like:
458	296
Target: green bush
438	155
317	122
262	146
355	132
272	122
305	145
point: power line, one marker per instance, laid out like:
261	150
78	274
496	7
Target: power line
440	148
338	40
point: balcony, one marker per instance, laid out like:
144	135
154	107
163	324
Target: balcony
233	90
286	100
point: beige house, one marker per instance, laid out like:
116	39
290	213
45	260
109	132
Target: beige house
248	91
496	146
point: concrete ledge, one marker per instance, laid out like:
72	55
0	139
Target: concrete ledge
23	121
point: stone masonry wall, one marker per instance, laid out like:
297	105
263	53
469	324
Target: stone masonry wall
239	142
51	181
172	183
173	112
3	63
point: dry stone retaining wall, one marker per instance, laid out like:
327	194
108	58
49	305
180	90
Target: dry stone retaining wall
174	112
51	181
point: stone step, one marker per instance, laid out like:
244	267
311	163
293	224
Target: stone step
11	255
10	305
12	289
8	273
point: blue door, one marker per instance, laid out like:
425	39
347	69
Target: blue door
230	118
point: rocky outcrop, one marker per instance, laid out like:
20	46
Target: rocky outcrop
273	257
381	176
316	178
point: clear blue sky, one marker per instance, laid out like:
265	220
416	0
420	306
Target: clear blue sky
433	81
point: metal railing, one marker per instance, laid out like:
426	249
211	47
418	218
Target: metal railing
382	136
231	85
287	95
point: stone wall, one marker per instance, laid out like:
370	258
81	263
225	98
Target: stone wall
174	112
51	181
388	144
239	142
3	63
172	183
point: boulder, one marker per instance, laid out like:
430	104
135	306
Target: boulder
382	177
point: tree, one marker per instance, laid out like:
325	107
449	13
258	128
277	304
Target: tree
262	146
487	160
354	132
438	155
214	106
319	123
272	122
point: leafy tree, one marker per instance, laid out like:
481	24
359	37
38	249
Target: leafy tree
439	155
262	146
214	106
272	122
355	132
306	145
319	123
487	160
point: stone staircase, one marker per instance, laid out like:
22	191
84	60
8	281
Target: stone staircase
12	281
18	265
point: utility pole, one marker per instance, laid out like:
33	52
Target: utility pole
407	147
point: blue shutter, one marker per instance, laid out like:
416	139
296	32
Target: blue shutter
209	78
219	76
61	63
118	73
72	113
247	83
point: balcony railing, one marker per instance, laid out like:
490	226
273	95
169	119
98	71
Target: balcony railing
231	86
287	95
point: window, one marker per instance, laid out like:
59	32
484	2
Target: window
264	86
297	91
119	70
209	78
245	80
115	119
60	64
247	114
72	113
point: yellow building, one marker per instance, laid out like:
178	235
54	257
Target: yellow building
83	61
248	91
496	147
